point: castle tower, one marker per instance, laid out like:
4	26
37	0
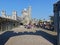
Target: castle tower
26	14
3	13
29	12
14	15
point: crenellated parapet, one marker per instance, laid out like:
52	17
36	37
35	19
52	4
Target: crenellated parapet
25	17
14	15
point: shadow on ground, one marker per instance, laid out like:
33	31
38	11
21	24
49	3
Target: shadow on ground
5	36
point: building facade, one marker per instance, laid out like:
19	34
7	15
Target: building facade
25	18
13	17
57	20
26	15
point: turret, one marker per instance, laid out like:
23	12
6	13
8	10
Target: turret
3	13
29	12
14	15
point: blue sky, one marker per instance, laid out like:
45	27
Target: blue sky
40	8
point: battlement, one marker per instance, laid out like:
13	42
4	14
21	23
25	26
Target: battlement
25	17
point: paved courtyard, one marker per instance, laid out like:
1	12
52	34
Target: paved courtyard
28	40
23	36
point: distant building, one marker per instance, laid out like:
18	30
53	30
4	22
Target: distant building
14	15
25	18
26	15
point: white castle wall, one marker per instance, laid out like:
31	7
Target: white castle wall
26	15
